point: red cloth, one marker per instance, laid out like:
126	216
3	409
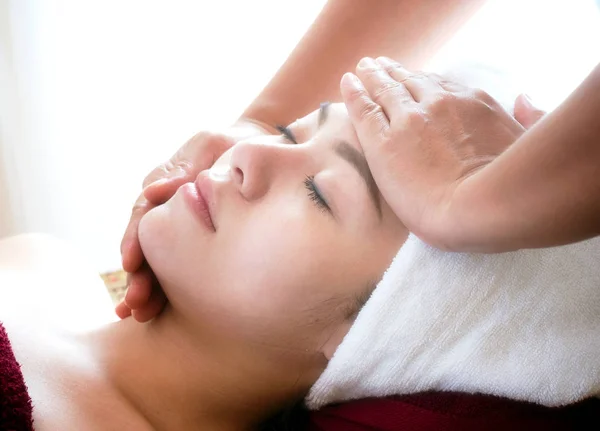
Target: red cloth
453	412
15	404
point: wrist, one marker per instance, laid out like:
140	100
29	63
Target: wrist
476	220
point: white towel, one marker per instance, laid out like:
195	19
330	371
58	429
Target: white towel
523	325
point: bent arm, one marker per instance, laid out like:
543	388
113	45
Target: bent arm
545	189
343	33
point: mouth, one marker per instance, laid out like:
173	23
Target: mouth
200	197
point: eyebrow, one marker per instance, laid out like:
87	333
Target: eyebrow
323	112
356	159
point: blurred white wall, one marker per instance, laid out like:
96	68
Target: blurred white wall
94	94
543	47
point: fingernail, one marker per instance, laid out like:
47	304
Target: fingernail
164	180
367	63
156	185
528	99
352	80
126	297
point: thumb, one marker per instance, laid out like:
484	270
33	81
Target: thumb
526	113
367	117
160	191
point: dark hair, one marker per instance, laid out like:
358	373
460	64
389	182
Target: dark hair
296	416
292	418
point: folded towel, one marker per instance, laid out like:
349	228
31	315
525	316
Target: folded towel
523	325
15	404
453	412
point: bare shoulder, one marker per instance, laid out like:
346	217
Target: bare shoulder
48	292
47	279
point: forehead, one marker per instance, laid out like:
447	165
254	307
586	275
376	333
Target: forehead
331	124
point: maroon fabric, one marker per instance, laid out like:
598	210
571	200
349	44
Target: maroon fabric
437	411
15	404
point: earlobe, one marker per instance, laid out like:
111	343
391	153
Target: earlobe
336	338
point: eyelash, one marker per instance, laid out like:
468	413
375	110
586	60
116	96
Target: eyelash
287	134
309	181
314	194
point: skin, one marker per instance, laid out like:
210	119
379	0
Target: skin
255	307
344	31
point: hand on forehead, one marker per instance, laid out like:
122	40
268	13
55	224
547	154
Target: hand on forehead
330	122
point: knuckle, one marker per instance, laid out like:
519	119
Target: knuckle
370	110
203	148
356	95
177	166
414	119
370	72
199	152
420	75
182	166
201	136
446	98
483	96
156	174
437	77
386	89
442	102
141	207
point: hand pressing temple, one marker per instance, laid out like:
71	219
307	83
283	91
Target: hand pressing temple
463	174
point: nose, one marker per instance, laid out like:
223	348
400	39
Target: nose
256	165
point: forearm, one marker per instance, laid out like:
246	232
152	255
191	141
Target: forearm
345	31
545	189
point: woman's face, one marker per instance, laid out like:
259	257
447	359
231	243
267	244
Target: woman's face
301	236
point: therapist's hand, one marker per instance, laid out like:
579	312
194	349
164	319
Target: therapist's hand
144	298
423	137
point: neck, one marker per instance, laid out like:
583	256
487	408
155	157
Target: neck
177	382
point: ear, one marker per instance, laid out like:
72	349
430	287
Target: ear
336	338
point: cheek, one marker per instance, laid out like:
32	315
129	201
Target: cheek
279	267
171	243
266	266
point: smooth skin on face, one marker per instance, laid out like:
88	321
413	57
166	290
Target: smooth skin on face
301	236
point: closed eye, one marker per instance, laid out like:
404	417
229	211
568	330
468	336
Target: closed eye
287	134
315	195
309	182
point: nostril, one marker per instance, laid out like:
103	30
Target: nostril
238	176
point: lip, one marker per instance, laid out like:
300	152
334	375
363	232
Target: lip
199	195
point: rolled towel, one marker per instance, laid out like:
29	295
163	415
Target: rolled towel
523	325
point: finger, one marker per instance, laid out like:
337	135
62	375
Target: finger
368	117
394	69
420	84
139	288
131	250
154	306
122	310
387	92
166	171
526	113
162	190
448	84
